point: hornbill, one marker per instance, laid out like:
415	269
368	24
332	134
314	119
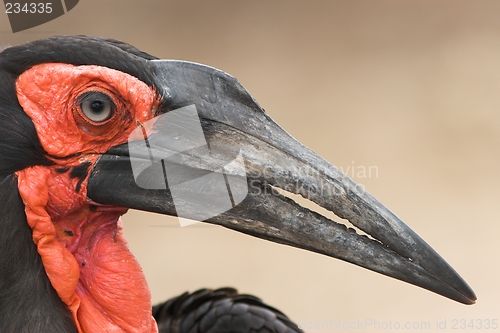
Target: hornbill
69	107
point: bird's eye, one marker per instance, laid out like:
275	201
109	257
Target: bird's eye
97	106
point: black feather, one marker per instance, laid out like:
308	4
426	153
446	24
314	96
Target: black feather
79	50
220	311
19	143
81	171
28	302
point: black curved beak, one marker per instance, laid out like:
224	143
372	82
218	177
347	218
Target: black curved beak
235	128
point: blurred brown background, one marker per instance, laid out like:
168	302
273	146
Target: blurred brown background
411	88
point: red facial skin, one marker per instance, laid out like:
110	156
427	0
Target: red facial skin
81	244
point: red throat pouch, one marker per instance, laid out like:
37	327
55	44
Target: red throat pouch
86	257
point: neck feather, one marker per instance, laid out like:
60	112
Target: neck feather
28	302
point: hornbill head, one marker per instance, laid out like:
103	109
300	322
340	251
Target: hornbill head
92	127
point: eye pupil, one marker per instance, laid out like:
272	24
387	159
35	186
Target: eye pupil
97	106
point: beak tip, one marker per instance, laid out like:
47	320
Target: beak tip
465	295
472	298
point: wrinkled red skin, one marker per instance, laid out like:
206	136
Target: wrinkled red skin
83	250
